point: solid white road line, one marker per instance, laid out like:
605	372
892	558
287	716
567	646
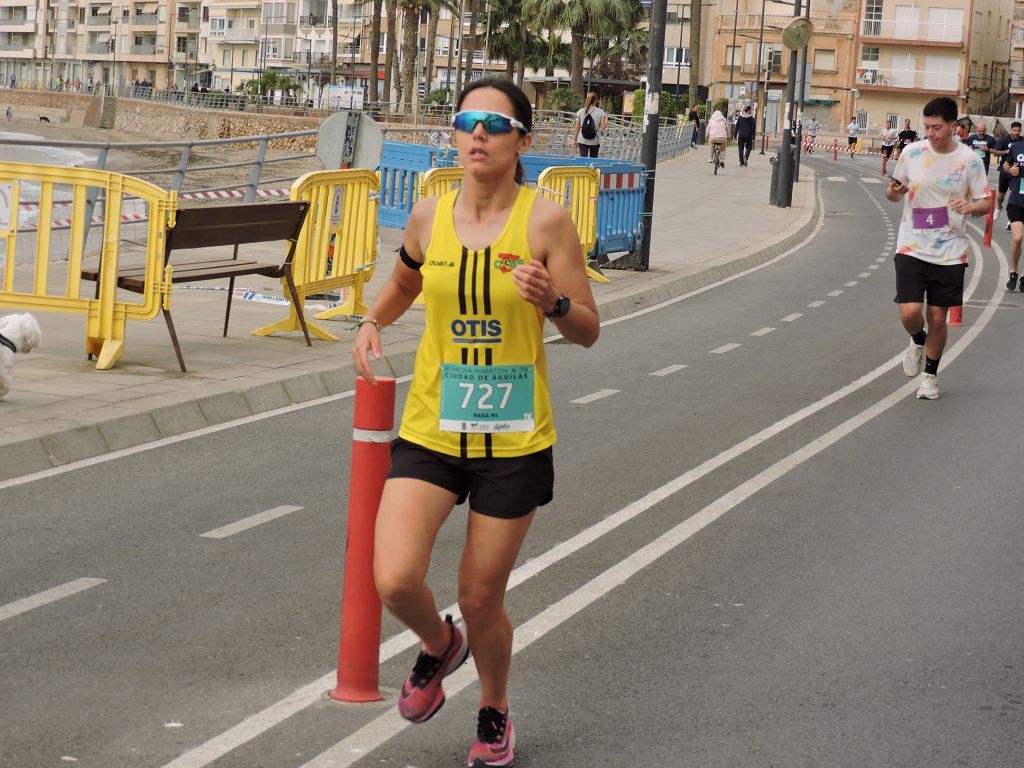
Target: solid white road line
668	370
596	396
47	596
762	332
725	348
276	713
817	303
791	318
249	522
377	732
835	293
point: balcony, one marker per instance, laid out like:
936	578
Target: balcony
238	36
908	79
24	47
317	22
144	20
186	26
17	25
752	22
97	48
1017	83
143	50
103	20
912	32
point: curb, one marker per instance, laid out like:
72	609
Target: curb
90	441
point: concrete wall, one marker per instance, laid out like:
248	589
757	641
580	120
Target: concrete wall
58	107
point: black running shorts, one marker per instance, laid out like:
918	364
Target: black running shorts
851	140
1015	212
1004	180
887	150
505	488
916	279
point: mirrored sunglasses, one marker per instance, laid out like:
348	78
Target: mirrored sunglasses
493	122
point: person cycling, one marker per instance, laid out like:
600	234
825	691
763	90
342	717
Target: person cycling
493	259
717	133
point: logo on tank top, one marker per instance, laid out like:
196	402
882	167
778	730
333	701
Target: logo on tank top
476	331
506	262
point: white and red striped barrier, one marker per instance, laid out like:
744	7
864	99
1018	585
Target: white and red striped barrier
620	180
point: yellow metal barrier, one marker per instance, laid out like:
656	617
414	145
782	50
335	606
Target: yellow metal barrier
337	247
576	188
63	195
439	181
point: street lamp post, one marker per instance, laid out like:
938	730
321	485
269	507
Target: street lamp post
732	52
113	49
785	188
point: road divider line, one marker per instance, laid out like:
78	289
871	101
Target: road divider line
864	274
850	284
47	596
599	395
762	332
815	304
273	715
725	348
249	522
668	370
791	318
377	732
835	293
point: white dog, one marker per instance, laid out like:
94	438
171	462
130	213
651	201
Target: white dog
18	333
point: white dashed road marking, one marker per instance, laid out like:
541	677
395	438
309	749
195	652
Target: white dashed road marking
249	522
47	596
837	178
814	304
850	284
835	293
864	274
596	396
870	180
791	318
667	371
879	260
873	266
762	332
724	348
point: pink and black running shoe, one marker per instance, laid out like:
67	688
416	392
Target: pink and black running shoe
495	743
422	694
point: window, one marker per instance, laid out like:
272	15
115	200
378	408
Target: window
383	42
774	57
945	24
872	18
444	14
824	61
942	72
894	119
907	18
245	55
224	58
206	13
903	65
677	57
862	120
423	45
732	55
181	45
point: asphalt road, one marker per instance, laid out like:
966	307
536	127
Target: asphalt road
763	551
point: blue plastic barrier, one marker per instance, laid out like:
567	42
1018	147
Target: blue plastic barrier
400	169
620	207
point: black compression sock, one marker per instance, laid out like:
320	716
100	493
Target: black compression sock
931	366
919	338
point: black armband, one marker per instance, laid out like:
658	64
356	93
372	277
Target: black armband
408	260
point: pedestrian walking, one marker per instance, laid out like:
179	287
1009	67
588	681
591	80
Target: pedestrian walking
888	135
694	118
812	133
492	260
745	135
946	183
591	122
1001	149
852	136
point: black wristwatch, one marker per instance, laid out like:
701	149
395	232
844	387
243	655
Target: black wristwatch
561	308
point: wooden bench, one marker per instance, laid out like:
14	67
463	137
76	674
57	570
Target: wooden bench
223	225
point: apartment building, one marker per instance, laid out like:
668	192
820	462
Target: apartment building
734	72
1016	106
910	53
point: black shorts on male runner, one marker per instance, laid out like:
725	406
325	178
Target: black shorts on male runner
887	150
915	279
1015	213
1004	180
851	140
507	488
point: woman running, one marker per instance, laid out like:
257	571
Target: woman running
492	259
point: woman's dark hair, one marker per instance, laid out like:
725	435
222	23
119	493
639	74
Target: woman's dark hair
521	108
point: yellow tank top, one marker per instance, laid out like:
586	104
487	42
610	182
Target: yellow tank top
479	385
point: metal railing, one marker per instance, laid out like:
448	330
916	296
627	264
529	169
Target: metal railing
908	78
924	31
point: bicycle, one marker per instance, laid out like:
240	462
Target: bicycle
716	157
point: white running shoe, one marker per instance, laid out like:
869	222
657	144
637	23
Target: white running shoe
928	389
913	359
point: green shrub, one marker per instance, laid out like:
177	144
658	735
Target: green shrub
638	105
722	105
439	96
564	99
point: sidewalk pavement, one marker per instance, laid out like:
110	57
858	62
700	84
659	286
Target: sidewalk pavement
63	410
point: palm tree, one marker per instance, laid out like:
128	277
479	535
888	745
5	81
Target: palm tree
378	7
389	51
603	18
410	47
695	16
435	7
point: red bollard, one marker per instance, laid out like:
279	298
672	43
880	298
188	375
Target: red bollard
989	218
835	150
956	316
359	649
